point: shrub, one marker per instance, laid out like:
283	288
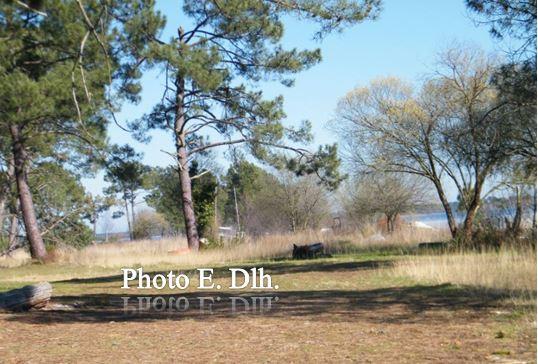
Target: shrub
149	223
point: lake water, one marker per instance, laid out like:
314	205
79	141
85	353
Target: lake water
434	219
438	219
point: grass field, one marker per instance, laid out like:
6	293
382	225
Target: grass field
367	303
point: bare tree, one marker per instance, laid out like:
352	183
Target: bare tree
453	129
389	194
475	127
107	224
387	131
302	201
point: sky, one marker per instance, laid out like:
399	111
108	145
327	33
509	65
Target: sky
402	42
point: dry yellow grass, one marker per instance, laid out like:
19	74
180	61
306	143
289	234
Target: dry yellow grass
150	252
505	270
369	238
16	258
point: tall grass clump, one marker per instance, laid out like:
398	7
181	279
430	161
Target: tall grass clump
15	259
508	270
174	250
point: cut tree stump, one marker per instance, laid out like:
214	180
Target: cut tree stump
27	297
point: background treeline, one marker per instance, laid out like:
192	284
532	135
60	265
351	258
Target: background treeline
246	198
66	67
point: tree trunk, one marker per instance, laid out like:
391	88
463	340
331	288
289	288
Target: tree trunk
389	222
474	205
191	230
5	192
13	229
216	217
238	222
94	231
392	222
439	187
37	247
3	215
468	222
448	209
534	203
516	224
129	226
133	215
293	224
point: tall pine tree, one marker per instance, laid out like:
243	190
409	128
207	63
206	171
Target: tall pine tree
59	66
211	66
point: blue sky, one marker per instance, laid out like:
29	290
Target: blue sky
402	42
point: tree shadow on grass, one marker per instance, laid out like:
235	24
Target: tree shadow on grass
416	304
273	268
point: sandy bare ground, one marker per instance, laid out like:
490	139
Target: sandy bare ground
361	321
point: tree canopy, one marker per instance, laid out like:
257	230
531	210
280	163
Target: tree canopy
63	69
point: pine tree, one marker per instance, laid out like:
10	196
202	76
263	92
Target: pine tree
210	69
60	64
127	175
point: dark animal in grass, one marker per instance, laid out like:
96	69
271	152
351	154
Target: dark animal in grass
309	251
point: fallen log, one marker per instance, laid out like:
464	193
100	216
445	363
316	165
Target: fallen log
308	251
27	297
